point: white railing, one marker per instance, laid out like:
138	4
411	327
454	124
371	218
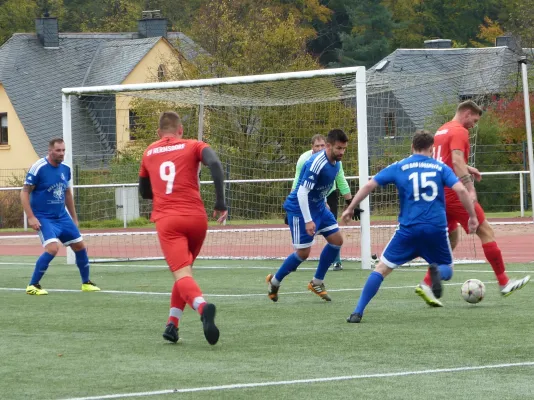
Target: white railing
125	185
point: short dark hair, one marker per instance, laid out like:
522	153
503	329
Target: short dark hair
169	121
337	135
52	143
422	140
469	105
316	138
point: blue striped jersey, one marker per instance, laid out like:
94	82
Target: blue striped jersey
318	175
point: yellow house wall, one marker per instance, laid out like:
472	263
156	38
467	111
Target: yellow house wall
145	71
19	153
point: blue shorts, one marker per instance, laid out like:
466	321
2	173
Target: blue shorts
61	229
425	241
325	224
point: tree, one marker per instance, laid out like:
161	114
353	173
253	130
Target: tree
520	21
369	40
248	39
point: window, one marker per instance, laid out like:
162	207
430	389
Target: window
162	74
3	129
133	124
390	125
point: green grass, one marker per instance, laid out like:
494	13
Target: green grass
73	344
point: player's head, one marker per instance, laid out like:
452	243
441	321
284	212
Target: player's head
318	143
468	113
423	142
56	151
336	144
170	124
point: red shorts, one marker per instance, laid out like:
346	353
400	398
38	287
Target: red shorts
181	238
457	214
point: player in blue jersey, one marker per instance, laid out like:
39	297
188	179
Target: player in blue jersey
308	215
422	230
44	196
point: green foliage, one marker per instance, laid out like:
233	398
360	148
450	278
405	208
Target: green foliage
242	39
369	40
140	222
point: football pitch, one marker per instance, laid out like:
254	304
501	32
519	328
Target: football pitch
108	345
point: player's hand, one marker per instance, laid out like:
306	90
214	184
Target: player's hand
473	224
75	220
310	228
221	215
475	173
347	215
285	220
34	223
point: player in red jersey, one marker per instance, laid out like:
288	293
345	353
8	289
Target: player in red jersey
451	146
169	176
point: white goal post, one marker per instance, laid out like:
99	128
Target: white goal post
97	130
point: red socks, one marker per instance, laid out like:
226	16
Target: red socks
494	256
190	293
177	306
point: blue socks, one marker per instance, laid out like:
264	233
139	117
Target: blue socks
328	255
445	271
82	261
369	290
40	267
289	265
338	258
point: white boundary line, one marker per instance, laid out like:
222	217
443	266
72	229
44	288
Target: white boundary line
406	268
306	381
227	295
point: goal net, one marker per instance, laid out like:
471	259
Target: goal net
259	126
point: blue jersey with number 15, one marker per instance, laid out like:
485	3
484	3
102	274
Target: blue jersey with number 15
420	181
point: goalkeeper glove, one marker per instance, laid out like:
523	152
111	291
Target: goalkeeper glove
357	211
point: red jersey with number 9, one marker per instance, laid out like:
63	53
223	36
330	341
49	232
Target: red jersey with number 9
451	136
172	164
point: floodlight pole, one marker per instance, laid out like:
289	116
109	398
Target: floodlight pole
528	126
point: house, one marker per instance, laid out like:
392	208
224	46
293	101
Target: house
34	67
413	88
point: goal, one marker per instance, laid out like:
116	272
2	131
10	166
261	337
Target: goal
259	125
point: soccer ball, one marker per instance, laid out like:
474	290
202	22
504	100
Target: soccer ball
473	291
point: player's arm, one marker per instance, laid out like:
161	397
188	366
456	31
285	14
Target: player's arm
298	168
357	199
69	203
467	202
25	201
475	173
210	159
343	185
462	171
145	188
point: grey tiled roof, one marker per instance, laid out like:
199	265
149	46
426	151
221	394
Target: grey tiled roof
419	80
114	60
34	76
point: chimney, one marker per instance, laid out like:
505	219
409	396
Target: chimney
509	41
438	44
47	31
152	24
